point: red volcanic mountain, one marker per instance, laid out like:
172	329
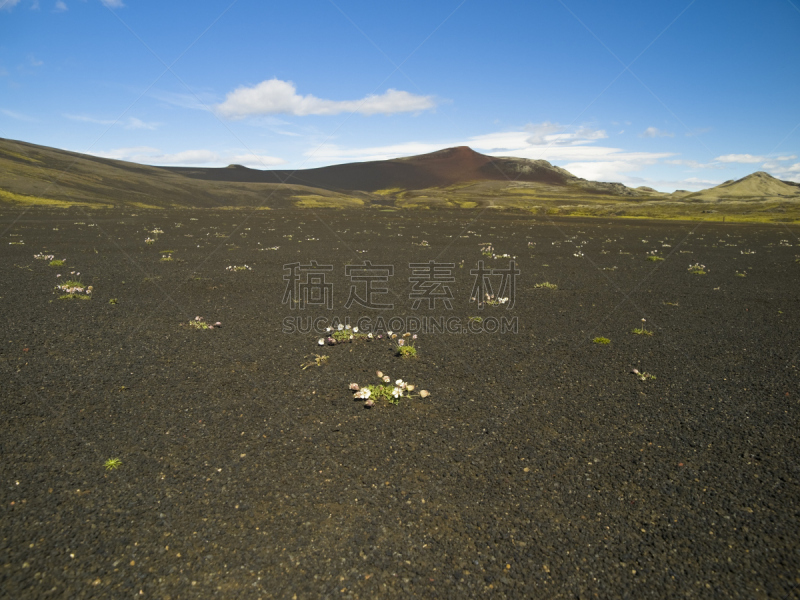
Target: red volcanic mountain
437	169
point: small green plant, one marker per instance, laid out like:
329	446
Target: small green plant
642	330
166	255
545	286
199	323
57	263
112	300
385	391
237	268
74	289
405	345
697	269
476	319
654	258
112	463
642	375
741	274
603	341
318	360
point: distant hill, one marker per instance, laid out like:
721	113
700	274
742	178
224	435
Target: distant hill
757	185
448	167
450	178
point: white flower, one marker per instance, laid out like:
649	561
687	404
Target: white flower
399	383
355	329
424	394
347	326
386	379
321	341
388	333
369	335
397	392
329	329
410	387
354	386
340	327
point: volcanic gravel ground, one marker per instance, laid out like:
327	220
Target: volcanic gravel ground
539	466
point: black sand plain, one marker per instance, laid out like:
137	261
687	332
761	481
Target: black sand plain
539	467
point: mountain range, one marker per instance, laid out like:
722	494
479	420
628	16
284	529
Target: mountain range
450	178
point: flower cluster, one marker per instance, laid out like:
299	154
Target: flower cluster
642	375
236	268
490	300
385	391
74	289
344	333
149	240
405	346
488	250
41	256
199	323
697	269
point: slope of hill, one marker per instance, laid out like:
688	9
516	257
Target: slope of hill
31	174
451	178
448	167
757	185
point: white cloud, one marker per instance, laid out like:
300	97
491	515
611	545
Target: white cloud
740	158
134	123
693	164
258	161
60	6
8	4
18	116
581	154
792	157
112	3
129	123
198	101
786	172
280	97
548	133
696	132
35	62
331	153
653	132
153	156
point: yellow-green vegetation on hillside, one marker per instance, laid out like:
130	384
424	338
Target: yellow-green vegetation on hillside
317	201
39	201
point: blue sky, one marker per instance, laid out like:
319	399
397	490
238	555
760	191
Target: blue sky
675	95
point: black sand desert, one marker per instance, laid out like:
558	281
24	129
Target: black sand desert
540	465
